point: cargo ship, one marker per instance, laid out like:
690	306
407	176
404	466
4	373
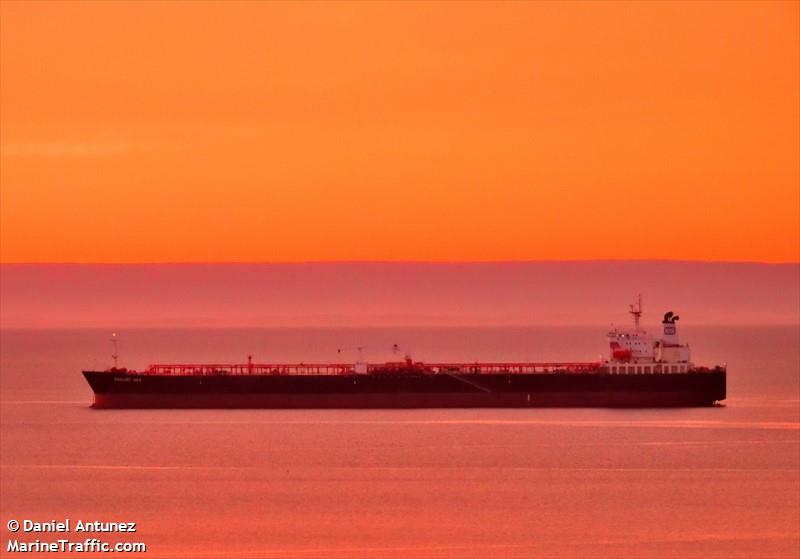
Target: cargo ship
640	370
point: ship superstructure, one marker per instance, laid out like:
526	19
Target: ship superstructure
635	351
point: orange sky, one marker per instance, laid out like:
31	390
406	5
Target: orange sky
289	132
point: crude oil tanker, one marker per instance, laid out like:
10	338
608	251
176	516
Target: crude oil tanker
640	371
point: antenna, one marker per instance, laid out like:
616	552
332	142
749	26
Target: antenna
115	355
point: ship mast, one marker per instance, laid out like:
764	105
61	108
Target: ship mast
636	311
115	355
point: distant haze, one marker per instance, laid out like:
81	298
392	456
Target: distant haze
364	294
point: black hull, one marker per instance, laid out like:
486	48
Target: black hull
407	390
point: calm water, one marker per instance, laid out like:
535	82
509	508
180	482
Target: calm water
719	482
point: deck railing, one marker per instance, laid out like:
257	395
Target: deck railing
351	368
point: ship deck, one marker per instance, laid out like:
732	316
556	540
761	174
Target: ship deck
399	367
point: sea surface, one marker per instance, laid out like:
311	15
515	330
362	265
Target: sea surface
720	482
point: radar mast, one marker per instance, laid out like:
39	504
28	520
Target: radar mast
636	311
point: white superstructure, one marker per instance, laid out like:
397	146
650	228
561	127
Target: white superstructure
637	352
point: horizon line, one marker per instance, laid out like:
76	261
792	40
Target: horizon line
375	326
385	261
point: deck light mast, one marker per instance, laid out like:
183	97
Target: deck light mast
115	355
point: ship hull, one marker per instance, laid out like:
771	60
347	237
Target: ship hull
407	390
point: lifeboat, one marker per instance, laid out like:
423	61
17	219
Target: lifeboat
619	352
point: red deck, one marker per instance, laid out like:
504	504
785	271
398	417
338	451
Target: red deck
350	368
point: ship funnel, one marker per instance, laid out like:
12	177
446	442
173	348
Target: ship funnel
670	328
